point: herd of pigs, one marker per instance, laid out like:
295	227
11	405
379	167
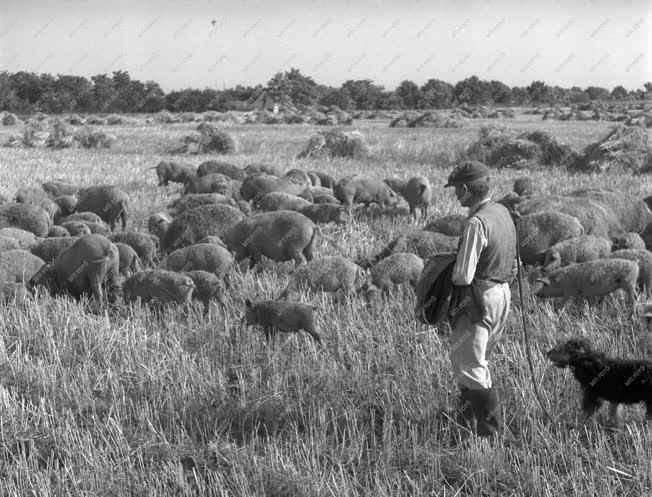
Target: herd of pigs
62	238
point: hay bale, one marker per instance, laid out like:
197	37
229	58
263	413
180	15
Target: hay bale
9	119
623	150
335	143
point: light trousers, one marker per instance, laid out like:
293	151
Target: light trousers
472	343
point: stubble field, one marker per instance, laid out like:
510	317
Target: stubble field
127	404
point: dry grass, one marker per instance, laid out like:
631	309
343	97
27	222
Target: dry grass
130	405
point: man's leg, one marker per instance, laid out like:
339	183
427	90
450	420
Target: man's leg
486	406
471	344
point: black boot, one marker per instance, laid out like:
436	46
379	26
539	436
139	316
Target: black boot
465	414
486	410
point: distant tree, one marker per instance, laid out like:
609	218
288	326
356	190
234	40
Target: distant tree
539	92
387	100
409	95
577	95
103	92
472	91
8	99
153	98
27	86
500	93
339	97
437	94
619	92
300	89
75	93
520	96
364	93
597	93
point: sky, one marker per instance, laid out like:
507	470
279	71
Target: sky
218	44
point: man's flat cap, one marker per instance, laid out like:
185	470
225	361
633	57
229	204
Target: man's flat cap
468	171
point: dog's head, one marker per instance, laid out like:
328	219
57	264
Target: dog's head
562	355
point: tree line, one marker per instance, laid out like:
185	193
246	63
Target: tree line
27	92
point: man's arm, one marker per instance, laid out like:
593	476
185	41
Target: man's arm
474	240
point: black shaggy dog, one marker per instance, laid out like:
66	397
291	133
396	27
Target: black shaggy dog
619	381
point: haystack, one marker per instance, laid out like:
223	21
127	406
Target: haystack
9	119
95	120
188	117
59	136
553	151
165	117
335	143
210	139
623	150
436	120
498	146
75	120
292	118
210	115
89	137
32	134
114	120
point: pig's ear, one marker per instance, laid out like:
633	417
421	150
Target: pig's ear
249	304
545	281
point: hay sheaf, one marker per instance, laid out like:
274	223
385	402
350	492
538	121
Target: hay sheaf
335	143
623	150
210	139
165	117
9	119
500	147
58	135
436	120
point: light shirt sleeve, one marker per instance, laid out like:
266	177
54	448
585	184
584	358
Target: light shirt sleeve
474	240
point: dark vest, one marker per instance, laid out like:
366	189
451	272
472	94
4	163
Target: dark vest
496	262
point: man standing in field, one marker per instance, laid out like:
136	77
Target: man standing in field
486	260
